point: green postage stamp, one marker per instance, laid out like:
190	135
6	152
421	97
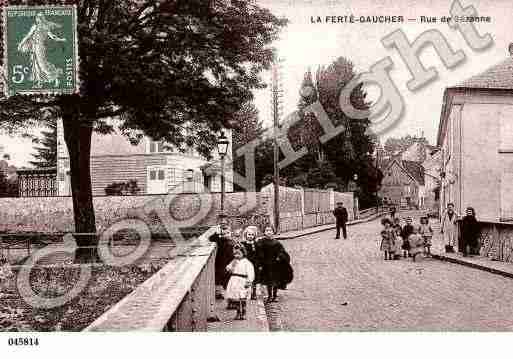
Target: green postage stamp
40	49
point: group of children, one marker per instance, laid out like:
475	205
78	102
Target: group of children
256	260
409	239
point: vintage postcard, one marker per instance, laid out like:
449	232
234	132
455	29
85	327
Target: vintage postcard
257	166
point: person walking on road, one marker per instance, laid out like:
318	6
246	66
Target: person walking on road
449	228
341	217
470	231
274	264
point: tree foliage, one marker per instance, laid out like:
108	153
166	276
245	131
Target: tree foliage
46	149
395	145
8	188
248	127
346	154
172	70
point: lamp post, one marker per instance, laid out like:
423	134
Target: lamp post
355	204
222	147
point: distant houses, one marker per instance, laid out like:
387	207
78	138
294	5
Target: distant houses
403	183
410	177
153	166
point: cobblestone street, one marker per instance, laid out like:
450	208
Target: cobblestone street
345	285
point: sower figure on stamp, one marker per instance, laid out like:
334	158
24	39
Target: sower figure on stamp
35	43
341	217
449	228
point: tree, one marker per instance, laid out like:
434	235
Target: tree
248	127
46	155
345	155
8	188
394	145
171	70
4	185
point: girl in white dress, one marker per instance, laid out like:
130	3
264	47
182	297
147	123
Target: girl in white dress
242	275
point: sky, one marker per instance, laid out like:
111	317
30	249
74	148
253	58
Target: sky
303	44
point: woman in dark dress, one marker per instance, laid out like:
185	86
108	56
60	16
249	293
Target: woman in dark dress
470	231
274	262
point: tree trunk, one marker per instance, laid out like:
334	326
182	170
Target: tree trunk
77	135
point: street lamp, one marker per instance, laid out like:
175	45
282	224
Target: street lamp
222	148
355	204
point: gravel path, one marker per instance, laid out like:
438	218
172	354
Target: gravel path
345	285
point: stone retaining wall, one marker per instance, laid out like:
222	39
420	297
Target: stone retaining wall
55	214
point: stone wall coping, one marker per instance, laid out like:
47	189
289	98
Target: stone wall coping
152	304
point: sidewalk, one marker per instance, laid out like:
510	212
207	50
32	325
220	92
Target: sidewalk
327	227
256	318
478	262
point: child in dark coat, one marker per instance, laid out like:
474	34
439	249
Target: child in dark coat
405	234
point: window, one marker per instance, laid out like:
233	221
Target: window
156	147
157	180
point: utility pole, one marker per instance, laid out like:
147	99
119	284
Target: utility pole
377	170
276	102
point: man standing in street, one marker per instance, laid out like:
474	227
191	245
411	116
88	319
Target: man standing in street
341	217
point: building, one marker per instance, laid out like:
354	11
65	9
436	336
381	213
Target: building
432	168
155	168
403	183
476	137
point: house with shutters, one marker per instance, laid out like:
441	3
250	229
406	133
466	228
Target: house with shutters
155	167
403	183
475	135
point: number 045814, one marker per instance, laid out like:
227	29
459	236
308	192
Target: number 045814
23	341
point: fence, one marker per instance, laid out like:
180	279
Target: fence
37	182
179	297
305	207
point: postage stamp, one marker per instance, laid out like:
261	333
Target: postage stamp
40	49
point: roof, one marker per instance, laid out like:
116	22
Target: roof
412	168
415	169
496	78
499	76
